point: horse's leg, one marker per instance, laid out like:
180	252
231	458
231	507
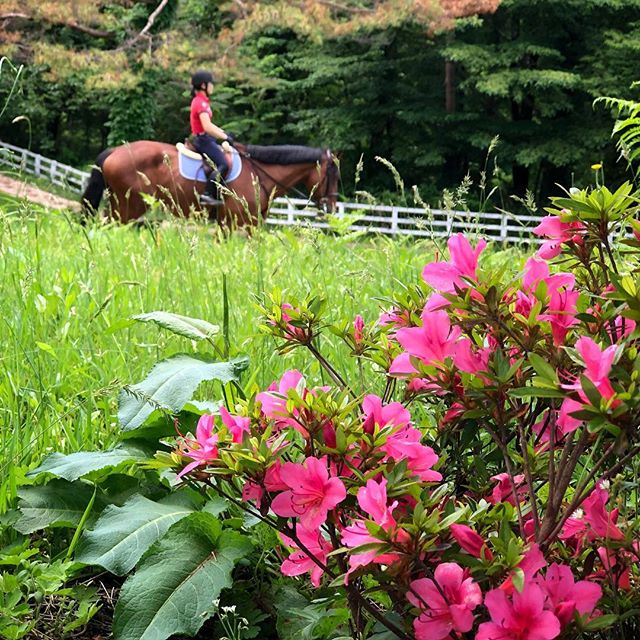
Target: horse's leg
246	206
121	177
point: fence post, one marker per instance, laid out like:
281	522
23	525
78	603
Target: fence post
449	222
394	220
37	165
290	212
340	210
53	170
23	162
503	228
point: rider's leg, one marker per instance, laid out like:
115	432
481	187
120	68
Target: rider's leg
206	145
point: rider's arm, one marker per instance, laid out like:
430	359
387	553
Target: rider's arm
211	128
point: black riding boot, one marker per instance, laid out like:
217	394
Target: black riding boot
211	196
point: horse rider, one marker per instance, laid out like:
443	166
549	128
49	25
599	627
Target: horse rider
205	135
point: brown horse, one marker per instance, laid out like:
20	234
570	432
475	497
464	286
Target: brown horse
147	167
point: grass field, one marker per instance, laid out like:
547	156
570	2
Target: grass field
67	293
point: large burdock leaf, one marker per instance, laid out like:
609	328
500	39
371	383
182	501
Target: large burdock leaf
75	465
122	534
170	385
193	328
56	504
175	586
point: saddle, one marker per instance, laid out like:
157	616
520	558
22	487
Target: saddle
193	167
188	146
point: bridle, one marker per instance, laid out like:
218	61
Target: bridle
330	173
330	177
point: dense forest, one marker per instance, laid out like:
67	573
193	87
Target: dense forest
439	89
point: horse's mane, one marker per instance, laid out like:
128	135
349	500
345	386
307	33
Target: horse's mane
284	154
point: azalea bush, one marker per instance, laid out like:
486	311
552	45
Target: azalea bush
478	478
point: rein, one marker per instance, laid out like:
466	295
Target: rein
286	189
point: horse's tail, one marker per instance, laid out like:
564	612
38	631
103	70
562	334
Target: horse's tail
95	187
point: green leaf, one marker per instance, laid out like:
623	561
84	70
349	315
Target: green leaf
590	391
122	534
543	368
602	622
517	577
298	619
174	588
75	465
170	385
536	392
56	504
193	328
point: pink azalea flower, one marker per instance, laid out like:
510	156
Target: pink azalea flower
372	499
312	493
204	448
396	317
561	313
557	232
565	595
622	328
615	567
521	618
237	425
532	561
503	491
420	458
404	442
358	326
537	271
297	333
272	483
274	400
299	562
471	541
469	358
432	343
436	302
561	298
566	421
598	363
445	276
252	492
375	413
595	521
453	412
446	606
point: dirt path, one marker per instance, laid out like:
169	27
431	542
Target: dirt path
21	189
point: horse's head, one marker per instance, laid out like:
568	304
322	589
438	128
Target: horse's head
326	192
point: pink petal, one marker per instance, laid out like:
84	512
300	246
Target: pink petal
442	276
436	628
402	365
282	505
426	593
449	575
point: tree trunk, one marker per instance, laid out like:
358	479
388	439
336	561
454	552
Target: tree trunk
450	86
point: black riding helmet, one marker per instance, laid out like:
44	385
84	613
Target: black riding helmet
199	78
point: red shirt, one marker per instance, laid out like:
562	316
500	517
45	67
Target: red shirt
199	104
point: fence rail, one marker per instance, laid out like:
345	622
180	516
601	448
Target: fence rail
385	219
34	164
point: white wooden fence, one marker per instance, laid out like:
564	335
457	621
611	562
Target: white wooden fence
33	164
373	218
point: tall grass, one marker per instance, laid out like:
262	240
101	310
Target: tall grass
67	294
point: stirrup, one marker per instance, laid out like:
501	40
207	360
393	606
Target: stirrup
210	201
